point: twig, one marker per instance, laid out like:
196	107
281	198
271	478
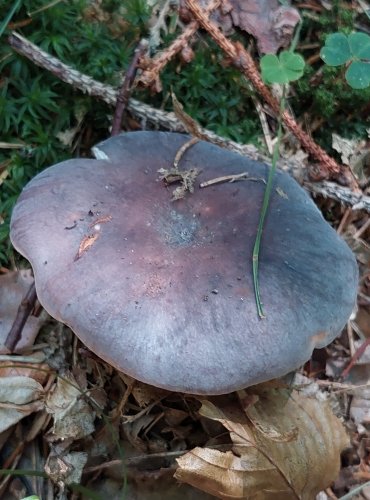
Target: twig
242	59
156	65
344	221
355	491
140	459
339	387
24	310
357	201
362	229
169	121
180	153
351	341
123	94
229	178
360	351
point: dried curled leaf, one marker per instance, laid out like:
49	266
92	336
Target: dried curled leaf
271	23
19	397
285	446
73	417
13	288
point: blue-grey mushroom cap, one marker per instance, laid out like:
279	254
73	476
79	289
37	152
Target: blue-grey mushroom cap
162	289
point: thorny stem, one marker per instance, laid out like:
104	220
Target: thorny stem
242	59
265	204
151	73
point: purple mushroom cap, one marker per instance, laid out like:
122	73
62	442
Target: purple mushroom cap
163	289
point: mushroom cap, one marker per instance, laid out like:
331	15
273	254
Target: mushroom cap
163	290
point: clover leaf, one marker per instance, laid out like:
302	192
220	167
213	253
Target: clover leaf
284	68
337	50
360	45
358	75
354	50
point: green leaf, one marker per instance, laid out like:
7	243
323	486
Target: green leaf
360	45
337	50
284	68
358	75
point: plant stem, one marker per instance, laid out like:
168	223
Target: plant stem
10	14
265	204
295	40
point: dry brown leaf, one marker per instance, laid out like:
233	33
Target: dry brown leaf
86	243
67	136
265	418
271	23
301	462
38	372
360	406
144	394
66	467
73	417
354	153
19	397
13	288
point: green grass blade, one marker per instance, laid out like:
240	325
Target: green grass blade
22	472
8	17
265	204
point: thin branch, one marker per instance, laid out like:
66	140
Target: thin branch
169	121
327	189
180	153
24	310
224	178
360	351
123	94
151	74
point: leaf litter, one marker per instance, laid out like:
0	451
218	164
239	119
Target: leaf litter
290	448
13	288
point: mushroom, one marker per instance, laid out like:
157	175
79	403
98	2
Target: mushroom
162	289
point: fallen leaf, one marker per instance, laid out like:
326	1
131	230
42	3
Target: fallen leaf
266	419
360	406
271	23
26	366
19	397
302	459
144	394
86	243
66	468
73	417
67	136
353	152
13	288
